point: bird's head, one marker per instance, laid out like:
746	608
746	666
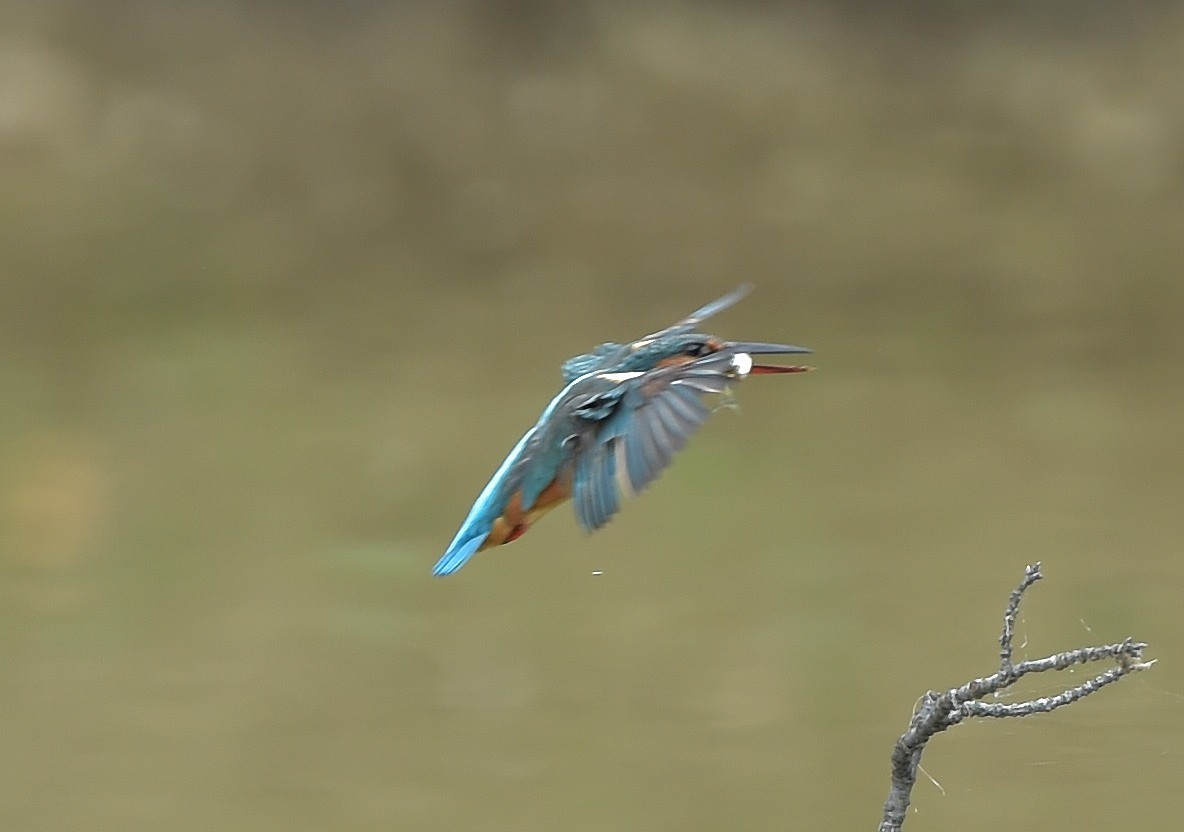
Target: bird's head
681	348
678	345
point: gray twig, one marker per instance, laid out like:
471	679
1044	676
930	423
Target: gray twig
938	711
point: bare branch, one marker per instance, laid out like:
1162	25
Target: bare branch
938	711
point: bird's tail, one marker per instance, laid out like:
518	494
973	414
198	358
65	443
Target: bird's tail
458	554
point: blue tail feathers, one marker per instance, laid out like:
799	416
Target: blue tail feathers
457	555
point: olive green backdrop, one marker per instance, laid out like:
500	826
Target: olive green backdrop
281	283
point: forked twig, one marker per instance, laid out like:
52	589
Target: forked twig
938	711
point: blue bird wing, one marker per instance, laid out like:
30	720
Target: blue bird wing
608	355
701	314
625	437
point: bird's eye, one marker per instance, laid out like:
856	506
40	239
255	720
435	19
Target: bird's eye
696	350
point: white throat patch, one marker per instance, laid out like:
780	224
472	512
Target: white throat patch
742	364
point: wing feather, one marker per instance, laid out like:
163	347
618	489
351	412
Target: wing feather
629	438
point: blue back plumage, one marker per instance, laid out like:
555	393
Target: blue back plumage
598	359
530	467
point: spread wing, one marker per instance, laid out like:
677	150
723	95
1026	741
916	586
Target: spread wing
608	355
627	435
691	321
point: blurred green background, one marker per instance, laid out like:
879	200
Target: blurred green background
280	284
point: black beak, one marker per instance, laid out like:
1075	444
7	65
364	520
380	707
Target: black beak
758	348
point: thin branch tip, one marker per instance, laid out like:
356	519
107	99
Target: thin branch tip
938	711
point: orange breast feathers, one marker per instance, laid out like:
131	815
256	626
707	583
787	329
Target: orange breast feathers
514	522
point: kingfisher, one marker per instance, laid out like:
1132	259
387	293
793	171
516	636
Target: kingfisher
624	413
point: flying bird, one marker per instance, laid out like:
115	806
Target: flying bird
626	410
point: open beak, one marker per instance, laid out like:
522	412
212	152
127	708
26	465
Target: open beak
758	348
